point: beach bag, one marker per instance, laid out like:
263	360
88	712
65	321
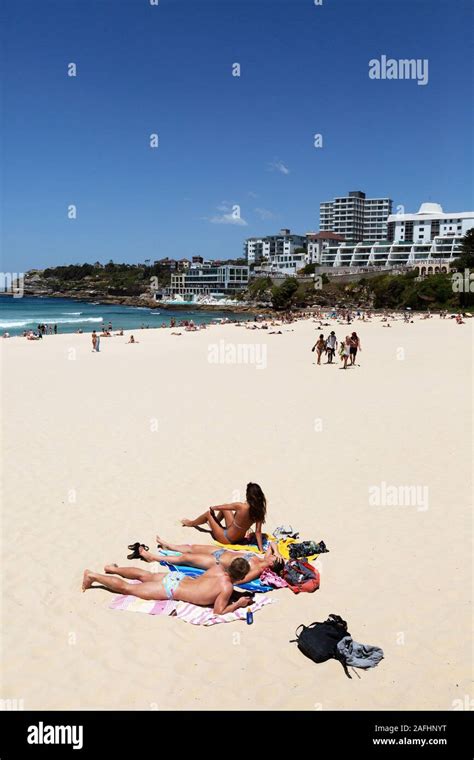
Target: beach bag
307	549
331	640
319	641
301	576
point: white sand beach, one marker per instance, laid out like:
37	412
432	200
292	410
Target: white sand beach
101	450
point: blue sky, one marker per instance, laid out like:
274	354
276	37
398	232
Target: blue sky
223	140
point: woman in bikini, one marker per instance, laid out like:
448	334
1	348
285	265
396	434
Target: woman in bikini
239	518
320	346
205	556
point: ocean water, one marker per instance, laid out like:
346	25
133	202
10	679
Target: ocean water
19	314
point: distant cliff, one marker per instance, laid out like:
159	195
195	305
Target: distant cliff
113	283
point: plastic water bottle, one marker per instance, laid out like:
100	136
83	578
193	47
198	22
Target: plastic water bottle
249	617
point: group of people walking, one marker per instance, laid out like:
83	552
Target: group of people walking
348	348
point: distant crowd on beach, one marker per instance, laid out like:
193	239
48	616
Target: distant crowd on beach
343	316
42	329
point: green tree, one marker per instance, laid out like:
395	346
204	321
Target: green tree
282	294
304	295
260	289
466	258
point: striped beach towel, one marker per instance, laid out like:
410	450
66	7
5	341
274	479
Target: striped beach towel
190	613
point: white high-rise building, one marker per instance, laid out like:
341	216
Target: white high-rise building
430	238
428	223
355	217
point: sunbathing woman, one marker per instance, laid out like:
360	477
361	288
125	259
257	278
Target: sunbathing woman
239	517
204	556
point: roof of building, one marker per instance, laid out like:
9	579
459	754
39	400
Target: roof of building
430	208
427	214
324	236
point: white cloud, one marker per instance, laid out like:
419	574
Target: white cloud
278	166
228	219
230	215
264	213
252	194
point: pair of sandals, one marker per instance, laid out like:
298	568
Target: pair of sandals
134	548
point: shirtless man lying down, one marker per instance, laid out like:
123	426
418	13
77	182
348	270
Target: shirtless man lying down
213	588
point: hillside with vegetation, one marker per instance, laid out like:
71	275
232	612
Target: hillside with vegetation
126	283
111	280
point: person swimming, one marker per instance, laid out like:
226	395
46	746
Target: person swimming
238	517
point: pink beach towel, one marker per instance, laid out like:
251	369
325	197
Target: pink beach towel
190	613
269	578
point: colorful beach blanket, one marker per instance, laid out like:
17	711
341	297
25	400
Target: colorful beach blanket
283	545
190	613
256	586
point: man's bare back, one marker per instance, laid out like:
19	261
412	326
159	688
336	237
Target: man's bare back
214	587
206	588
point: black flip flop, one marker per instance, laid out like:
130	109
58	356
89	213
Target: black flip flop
135	553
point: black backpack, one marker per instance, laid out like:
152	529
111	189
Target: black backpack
319	641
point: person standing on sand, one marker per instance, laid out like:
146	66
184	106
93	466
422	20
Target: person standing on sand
354	347
94	340
347	350
331	345
341	350
320	346
212	588
238	517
